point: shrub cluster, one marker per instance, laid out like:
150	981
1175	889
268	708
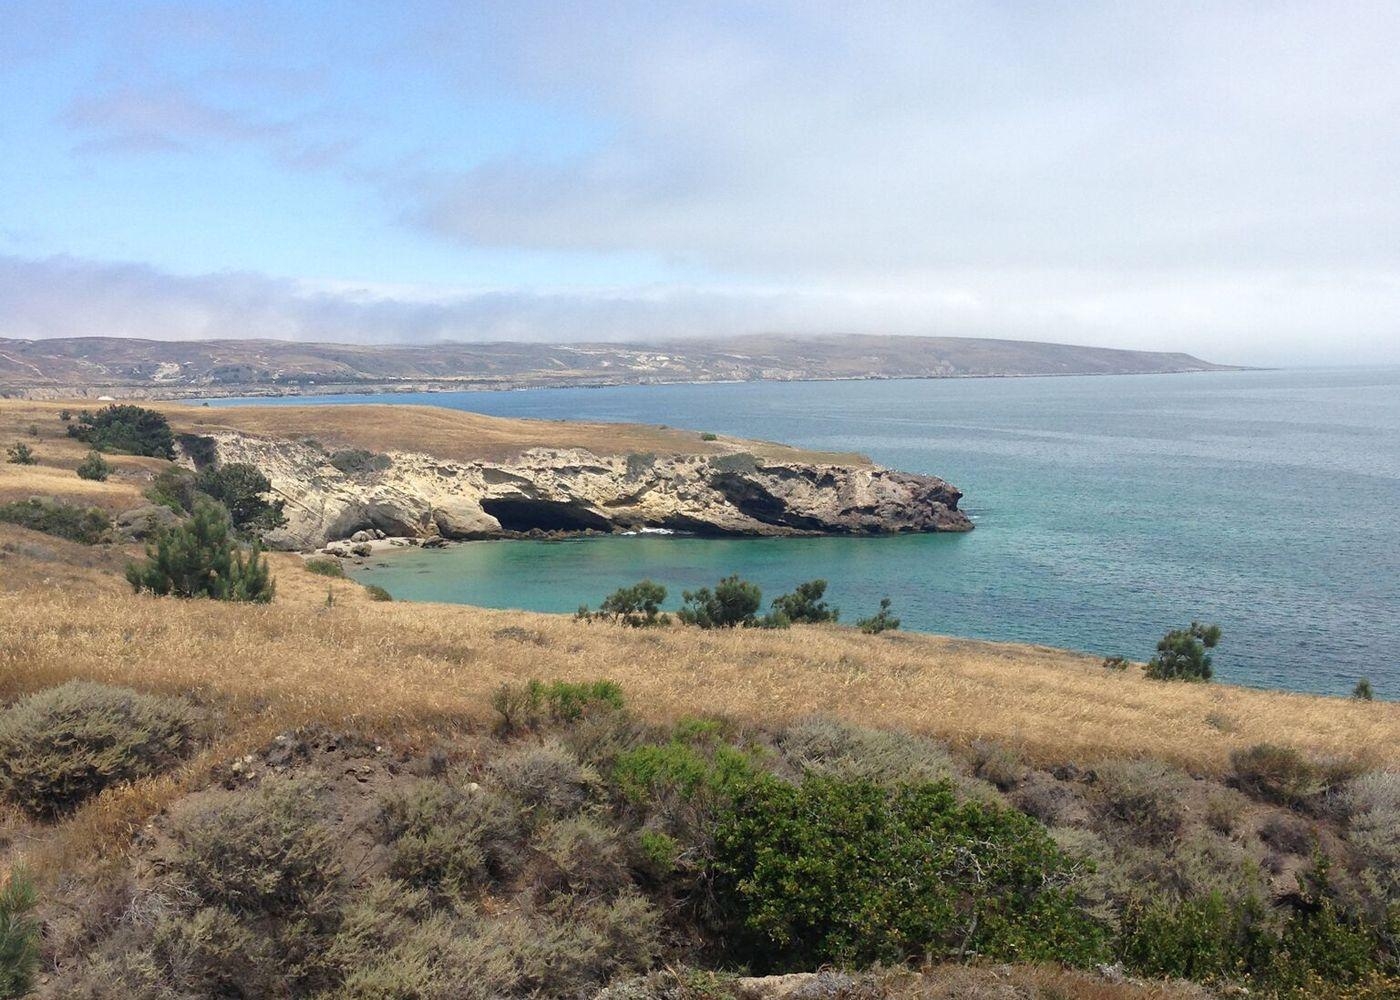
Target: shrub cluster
19	934
242	489
122	427
94	467
21	454
733	603
637	606
531	705
63	745
1181	654
880	621
88	525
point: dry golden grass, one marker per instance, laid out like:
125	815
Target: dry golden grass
449	434
403	669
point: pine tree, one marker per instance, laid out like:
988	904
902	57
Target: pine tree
201	558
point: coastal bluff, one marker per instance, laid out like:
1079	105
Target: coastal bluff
422	472
332	495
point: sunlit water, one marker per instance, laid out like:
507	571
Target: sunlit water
1107	510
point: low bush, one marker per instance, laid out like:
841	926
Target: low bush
61	746
1181	654
94	467
450	839
133	430
523	707
377	593
825	746
200	558
637	606
86	525
1275	773
1143	796
708	436
544	779
1363	691
21	454
880	621
852	872
733	602
173	488
325	566
19	934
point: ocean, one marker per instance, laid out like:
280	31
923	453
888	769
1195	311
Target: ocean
1108	510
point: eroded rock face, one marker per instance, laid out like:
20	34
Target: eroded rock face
545	489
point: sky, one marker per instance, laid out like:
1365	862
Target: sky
1221	178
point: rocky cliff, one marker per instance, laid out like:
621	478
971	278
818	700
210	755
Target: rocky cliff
333	495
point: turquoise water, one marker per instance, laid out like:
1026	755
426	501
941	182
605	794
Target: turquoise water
1108	509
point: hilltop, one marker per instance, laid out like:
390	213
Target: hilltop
130	368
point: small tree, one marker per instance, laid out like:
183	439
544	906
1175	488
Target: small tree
65	415
201	558
1362	691
21	454
94	467
880	621
638	606
733	602
240	488
1181	654
805	604
19	934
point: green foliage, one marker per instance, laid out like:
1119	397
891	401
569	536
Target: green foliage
132	430
63	745
805	605
358	462
1115	663
201	558
638	606
1275	773
880	621
1207	937
21	454
681	769
709	436
528	706
88	525
1362	691
240	487
325	566
854	872
377	593
733	602
173	488
825	746
1181	654
451	840
19	935
94	467
65	415
202	450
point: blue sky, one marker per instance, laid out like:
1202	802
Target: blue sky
1222	178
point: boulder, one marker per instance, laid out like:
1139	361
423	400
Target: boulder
462	518
362	536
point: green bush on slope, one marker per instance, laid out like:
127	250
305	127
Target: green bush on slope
200	558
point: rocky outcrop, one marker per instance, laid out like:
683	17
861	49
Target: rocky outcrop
408	494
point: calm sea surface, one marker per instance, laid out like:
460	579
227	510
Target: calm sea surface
1108	509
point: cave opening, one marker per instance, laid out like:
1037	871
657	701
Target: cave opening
524	514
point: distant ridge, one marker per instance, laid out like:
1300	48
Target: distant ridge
91	366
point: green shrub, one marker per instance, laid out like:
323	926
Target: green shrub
242	489
880	621
453	840
1181	654
1115	663
133	430
63	745
19	935
173	488
525	707
708	436
65	415
94	467
733	602
21	454
358	462
852	872
202	559
1204	938
825	746
1275	773
377	593
805	605
325	566
1362	691
544	779
638	606
88	525
651	772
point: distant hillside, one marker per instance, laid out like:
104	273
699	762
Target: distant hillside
90	366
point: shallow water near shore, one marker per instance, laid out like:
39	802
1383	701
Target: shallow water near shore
1108	509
